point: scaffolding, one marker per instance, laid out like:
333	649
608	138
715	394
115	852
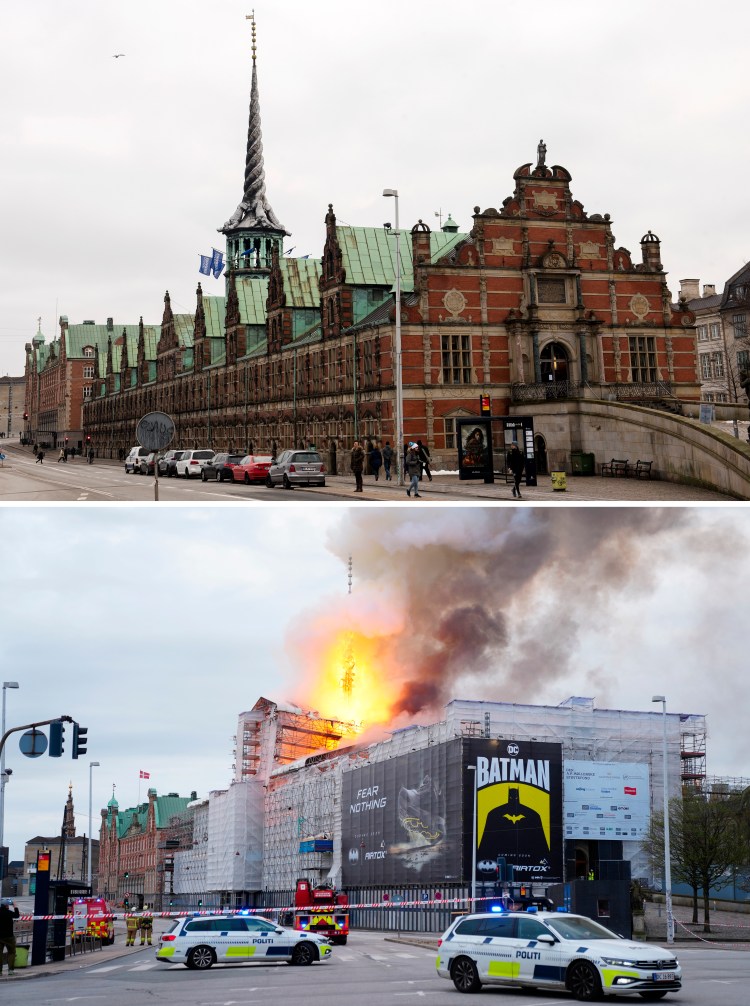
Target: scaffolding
304	797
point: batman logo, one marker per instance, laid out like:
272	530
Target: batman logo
514	818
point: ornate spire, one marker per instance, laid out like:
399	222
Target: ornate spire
254	212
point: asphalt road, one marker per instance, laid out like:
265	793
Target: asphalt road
22	479
369	969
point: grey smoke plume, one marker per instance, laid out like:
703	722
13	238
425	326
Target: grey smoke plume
491	599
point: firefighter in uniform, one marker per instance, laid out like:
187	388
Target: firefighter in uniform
147	925
131	924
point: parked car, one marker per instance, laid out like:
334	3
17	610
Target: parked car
215	939
167	462
252	468
220	467
133	459
293	468
146	465
555	952
191	463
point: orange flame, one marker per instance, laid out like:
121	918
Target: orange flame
352	682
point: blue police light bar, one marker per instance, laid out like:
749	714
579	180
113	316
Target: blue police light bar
497	908
532	908
561	909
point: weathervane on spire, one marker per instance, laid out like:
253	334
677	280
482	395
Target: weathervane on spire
251	18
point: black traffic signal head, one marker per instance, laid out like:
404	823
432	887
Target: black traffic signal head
88	439
56	738
126	874
79	740
125	903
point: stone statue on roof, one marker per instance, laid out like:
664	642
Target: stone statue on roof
541	154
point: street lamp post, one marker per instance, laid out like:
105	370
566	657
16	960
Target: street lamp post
92	766
399	434
473	768
667	857
3	780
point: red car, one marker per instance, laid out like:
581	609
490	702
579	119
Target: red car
252	468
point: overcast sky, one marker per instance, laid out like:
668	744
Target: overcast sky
155	627
116	173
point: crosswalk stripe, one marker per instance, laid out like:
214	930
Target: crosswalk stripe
145	967
100	971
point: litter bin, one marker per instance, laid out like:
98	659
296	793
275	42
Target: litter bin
22	957
582	463
559	481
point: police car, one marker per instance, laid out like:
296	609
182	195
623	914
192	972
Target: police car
553	950
198	942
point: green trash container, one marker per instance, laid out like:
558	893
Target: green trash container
559	481
582	463
22	957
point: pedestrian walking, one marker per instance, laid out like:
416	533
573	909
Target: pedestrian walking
36	449
424	457
62	456
131	928
376	461
357	464
7	936
516	463
413	468
91	455
40	457
387	460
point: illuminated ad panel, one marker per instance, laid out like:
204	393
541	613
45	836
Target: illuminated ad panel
606	800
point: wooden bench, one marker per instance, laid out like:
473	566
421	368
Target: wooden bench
617	468
642	470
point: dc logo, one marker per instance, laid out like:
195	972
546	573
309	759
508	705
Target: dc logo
512	749
353	855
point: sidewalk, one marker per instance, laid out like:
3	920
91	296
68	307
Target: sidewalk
79	961
446	486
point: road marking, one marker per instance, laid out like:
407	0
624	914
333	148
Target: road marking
145	967
108	967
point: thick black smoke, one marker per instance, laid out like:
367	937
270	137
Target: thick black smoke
493	600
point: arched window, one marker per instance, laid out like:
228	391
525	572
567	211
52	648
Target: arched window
554	362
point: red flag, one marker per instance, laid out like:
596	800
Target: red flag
145	775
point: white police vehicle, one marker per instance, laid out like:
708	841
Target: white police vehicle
553	950
198	942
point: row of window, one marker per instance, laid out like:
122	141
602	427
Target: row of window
712	331
712	366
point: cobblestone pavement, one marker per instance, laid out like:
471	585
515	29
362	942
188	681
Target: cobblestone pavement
580	489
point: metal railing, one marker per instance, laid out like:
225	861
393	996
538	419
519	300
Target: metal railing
546	391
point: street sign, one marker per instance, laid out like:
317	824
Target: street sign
155	431
33	743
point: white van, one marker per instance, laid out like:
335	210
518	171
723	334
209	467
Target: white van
134	458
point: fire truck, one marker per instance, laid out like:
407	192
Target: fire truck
321	909
90	918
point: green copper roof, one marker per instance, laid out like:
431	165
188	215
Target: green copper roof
184	326
252	294
301	277
165	808
214	308
369	254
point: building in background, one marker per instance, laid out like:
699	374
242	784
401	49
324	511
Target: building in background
69	853
12	406
534	305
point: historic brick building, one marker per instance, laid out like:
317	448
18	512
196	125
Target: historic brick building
137	848
534	304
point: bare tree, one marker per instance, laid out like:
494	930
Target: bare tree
706	842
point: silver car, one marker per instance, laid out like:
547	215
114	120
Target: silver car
292	468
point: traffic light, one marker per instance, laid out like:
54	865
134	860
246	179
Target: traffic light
200	902
25	415
56	738
126	874
66	439
79	740
88	439
126	903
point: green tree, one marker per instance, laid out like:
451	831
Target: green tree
706	842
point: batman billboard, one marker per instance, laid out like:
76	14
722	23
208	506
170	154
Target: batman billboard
519	793
401	819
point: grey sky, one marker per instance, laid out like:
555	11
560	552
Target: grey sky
116	173
156	627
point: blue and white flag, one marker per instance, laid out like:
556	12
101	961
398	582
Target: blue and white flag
305	256
290	250
205	266
217	262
